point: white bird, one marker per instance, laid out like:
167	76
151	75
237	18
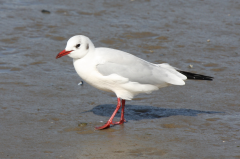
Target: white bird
120	72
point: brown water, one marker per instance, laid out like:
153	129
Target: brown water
45	114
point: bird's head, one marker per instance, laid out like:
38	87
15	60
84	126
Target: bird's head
77	47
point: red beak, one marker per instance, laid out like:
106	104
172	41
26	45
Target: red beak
62	53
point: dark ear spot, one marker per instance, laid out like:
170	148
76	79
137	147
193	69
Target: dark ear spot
78	45
87	46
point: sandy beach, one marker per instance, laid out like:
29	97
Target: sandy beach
45	114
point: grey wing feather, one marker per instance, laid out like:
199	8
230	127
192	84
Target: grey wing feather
134	72
136	69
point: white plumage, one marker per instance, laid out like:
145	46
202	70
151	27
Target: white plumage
116	71
122	73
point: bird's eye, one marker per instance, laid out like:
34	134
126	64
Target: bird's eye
77	46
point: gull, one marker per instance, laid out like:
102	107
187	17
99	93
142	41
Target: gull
122	73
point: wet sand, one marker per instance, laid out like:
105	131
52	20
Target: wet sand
44	113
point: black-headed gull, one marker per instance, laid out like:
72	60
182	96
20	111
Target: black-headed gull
122	73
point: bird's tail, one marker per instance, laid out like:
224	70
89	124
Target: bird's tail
194	76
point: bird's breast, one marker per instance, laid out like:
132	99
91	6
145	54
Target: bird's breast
88	72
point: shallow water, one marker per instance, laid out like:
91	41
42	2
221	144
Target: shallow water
46	114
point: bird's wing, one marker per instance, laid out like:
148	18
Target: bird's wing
134	68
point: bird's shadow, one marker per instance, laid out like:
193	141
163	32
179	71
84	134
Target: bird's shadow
139	112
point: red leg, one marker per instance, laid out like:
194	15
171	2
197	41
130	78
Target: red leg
122	120
111	118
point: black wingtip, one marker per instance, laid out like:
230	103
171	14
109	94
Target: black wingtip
194	76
